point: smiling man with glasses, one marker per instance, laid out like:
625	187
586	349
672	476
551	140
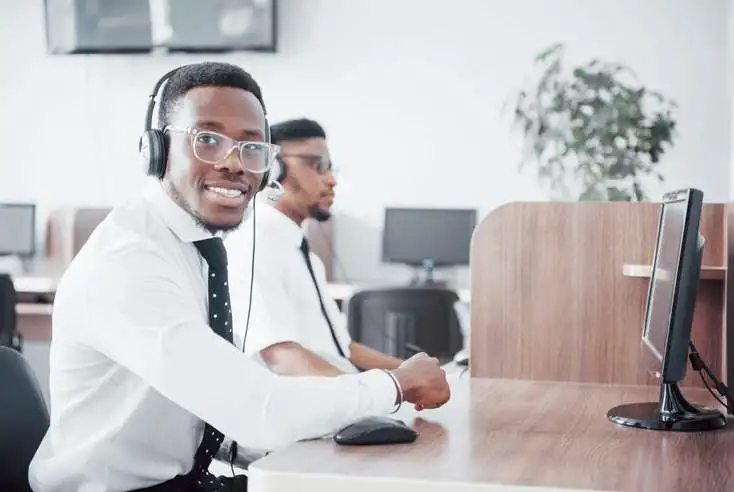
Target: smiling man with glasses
145	379
295	328
218	201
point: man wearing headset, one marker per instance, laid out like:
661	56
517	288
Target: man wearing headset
145	380
295	327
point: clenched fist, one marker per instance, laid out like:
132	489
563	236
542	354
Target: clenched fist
423	382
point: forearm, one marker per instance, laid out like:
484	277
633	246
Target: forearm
214	381
291	359
156	331
366	358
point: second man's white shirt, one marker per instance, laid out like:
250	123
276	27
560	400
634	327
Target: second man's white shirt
285	305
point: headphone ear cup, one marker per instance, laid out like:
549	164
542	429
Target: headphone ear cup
281	169
154	151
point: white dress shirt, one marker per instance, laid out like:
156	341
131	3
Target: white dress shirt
285	304
136	369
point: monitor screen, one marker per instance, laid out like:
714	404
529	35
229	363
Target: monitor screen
442	236
220	25
143	26
17	229
666	261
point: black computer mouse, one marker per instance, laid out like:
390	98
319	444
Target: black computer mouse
375	430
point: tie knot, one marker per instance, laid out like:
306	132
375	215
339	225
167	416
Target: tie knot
304	246
213	251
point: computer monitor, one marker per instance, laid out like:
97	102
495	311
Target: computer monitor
668	319
428	238
17	229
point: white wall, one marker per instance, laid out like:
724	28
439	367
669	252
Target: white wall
730	81
410	92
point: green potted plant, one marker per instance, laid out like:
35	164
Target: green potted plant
593	132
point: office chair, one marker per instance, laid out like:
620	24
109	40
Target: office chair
402	321
9	336
24	419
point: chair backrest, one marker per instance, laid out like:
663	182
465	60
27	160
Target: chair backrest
8	316
24	419
402	320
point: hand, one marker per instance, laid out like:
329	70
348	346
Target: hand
423	382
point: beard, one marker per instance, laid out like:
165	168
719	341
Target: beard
319	214
208	226
214	228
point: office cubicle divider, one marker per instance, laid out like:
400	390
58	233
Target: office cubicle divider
558	292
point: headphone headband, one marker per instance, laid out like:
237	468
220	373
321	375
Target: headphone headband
153	144
153	96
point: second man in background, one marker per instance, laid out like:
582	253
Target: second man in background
295	327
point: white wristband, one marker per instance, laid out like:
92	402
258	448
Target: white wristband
398	388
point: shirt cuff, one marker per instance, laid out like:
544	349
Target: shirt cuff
382	390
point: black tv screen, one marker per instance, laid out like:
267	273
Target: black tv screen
221	25
142	26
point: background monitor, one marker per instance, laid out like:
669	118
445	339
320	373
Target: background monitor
221	25
668	320
142	26
442	236
17	229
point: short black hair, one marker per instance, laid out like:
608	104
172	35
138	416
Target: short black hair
298	129
214	74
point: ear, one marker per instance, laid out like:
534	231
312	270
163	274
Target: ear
291	183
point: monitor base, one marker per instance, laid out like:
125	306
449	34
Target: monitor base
672	413
427	279
436	284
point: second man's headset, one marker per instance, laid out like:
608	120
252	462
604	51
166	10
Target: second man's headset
154	142
280	169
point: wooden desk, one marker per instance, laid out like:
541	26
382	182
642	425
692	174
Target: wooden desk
36	288
513	435
35	284
39	278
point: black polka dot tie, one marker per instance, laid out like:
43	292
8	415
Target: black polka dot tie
220	320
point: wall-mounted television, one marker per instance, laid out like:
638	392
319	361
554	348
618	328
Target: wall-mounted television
144	26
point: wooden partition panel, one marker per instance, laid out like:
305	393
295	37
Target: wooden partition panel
729	296
67	230
550	299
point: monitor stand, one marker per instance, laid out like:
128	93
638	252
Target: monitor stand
672	413
427	279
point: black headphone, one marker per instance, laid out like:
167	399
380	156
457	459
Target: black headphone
154	143
280	170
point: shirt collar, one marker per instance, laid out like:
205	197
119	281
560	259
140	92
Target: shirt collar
183	225
274	219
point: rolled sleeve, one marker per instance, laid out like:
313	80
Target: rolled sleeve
272	318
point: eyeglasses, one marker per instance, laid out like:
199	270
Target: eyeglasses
316	162
212	148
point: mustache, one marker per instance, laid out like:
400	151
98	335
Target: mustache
251	182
